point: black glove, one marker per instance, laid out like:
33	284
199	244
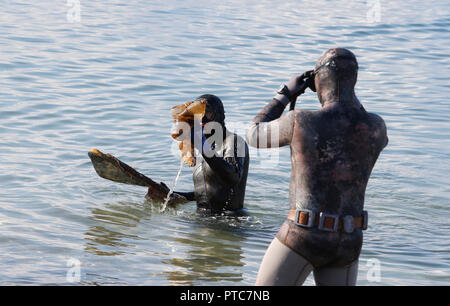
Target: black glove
309	80
295	87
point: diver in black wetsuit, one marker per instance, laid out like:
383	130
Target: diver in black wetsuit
220	173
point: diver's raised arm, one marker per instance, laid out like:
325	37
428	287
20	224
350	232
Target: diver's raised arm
268	130
229	168
229	165
271	134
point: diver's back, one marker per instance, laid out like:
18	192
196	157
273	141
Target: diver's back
339	147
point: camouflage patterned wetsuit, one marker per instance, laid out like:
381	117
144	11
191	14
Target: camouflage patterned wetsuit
333	151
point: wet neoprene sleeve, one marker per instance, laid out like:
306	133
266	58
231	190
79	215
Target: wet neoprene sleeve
190	196
268	129
228	168
270	112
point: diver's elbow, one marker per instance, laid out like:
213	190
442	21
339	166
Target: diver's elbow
252	136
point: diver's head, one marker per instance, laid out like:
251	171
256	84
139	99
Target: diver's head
214	109
336	73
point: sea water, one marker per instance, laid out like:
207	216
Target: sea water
108	80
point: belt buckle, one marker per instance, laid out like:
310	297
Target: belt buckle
311	217
322	221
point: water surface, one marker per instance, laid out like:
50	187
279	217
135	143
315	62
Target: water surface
108	82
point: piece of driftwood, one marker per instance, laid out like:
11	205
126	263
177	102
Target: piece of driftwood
111	168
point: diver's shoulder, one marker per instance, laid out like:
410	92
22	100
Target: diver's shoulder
376	120
301	114
379	129
308	118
